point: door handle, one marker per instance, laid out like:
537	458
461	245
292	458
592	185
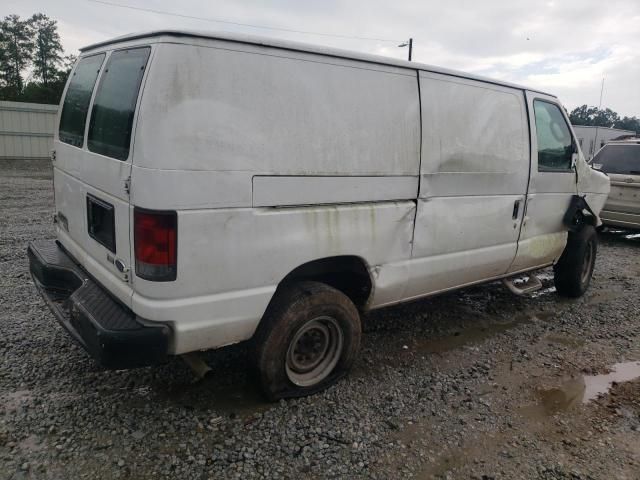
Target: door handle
516	209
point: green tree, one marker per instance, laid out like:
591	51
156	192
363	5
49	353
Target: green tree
38	92
32	46
68	61
4	59
17	51
596	117
583	115
605	118
629	123
579	115
47	53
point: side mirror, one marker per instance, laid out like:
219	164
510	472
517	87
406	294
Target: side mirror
574	153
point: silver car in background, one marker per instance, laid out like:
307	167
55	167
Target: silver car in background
621	161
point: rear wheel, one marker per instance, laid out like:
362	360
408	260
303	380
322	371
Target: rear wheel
307	340
572	273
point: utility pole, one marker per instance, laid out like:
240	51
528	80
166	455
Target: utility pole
601	92
595	141
408	44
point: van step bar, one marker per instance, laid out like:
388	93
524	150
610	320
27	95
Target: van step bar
532	284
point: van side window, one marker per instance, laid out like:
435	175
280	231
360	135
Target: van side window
76	102
115	103
555	145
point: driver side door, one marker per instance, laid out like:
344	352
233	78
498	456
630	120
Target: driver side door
552	183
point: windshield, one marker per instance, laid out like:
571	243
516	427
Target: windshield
620	159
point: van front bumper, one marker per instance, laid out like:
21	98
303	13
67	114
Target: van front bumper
102	325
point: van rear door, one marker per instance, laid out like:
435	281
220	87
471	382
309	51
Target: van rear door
92	163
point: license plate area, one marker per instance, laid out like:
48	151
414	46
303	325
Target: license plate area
101	222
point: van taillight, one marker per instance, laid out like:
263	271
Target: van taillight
155	244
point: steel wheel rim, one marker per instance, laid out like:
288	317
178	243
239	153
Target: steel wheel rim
586	265
314	351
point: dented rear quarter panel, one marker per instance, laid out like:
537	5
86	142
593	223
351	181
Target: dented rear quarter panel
230	262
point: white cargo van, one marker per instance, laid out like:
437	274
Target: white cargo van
216	188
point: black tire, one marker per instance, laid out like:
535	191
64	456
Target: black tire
572	273
300	319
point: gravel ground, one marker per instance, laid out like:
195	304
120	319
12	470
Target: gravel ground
474	384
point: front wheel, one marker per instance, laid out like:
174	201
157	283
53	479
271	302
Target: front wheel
572	273
308	339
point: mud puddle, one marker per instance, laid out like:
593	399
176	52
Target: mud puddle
599	384
565	340
241	399
581	390
471	335
603	296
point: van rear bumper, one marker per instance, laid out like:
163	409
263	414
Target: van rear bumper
103	326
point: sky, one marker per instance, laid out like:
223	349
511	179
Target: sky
565	47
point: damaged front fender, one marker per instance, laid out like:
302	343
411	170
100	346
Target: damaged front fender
579	213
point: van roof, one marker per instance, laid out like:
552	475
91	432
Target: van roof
304	47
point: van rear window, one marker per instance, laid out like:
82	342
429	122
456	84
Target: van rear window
620	159
115	103
76	102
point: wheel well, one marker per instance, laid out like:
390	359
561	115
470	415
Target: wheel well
591	220
346	273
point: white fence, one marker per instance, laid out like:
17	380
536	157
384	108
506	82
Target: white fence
26	130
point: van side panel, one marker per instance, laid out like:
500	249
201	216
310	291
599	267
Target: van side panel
238	108
475	166
230	262
279	190
272	159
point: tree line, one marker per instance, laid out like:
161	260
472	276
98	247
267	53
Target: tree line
602	117
33	67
